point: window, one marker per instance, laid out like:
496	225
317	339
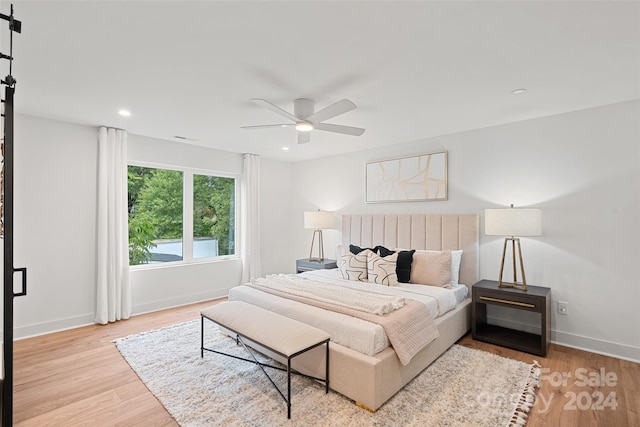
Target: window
213	216
179	215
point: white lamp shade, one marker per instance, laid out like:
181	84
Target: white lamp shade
318	220
513	222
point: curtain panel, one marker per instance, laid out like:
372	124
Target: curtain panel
250	218
113	294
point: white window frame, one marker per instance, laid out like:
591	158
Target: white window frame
187	215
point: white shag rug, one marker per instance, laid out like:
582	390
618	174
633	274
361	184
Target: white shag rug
464	387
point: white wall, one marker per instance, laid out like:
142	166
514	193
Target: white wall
55	225
55	215
581	168
276	241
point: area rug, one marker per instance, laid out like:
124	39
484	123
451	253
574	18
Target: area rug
464	387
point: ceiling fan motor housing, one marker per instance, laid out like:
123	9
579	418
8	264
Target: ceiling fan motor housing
303	107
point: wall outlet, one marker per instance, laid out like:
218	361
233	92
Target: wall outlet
563	307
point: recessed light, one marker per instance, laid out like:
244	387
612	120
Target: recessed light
518	91
124	113
285	148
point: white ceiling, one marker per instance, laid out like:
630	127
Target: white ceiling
414	69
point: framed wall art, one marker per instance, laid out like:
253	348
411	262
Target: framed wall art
407	179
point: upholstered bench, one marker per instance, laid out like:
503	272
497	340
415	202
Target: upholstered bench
283	336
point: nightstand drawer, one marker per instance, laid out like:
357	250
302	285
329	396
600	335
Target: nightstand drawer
521	302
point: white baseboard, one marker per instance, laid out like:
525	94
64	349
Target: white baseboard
36	329
606	348
22	332
177	302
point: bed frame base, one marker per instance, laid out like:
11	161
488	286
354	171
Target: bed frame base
366	408
372	380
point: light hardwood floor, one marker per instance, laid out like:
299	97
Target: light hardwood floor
577	387
78	378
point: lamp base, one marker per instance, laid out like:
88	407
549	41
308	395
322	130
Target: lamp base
515	284
521	286
320	256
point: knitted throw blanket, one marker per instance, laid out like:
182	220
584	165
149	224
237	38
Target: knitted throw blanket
407	323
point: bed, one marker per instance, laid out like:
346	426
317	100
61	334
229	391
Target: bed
373	373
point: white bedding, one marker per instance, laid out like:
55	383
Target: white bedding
461	291
437	299
357	334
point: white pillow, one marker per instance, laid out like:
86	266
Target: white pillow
353	267
456	258
382	270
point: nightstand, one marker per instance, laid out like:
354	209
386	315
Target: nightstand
535	299
306	264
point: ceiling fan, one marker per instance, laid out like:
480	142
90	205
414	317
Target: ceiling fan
305	119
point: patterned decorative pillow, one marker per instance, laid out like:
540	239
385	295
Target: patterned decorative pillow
352	266
357	249
431	268
382	270
403	264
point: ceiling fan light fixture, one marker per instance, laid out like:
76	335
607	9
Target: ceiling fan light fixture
307	119
304	126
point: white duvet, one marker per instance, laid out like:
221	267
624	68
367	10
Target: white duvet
357	334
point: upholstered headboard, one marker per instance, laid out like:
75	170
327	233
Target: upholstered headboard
419	231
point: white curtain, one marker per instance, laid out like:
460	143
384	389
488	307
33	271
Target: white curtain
250	218
113	296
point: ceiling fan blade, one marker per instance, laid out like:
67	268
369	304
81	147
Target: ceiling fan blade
284	125
348	130
331	111
266	104
304	137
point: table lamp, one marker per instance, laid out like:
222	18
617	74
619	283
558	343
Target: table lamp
317	221
513	222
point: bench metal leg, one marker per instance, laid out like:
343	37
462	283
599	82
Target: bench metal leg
326	372
289	388
254	360
201	337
